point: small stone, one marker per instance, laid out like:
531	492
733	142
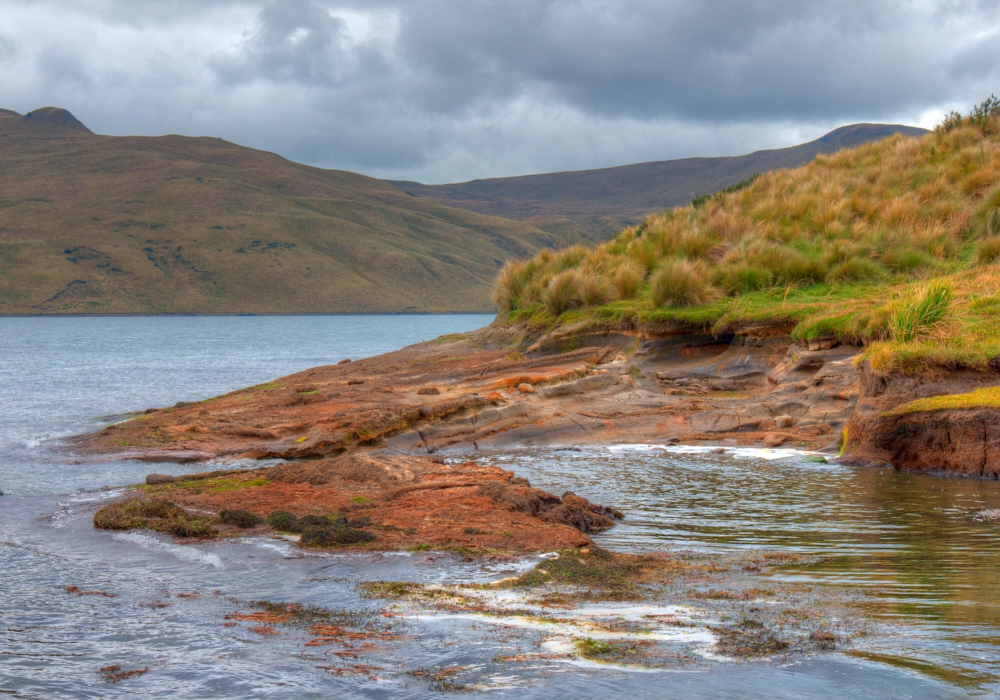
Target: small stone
526	388
429	391
344	361
784	421
355	382
774	440
153	479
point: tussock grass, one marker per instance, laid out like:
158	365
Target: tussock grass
681	283
921	311
594	290
161	516
628	279
987	250
562	292
843	247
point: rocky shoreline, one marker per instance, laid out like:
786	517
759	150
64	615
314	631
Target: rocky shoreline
479	391
359	436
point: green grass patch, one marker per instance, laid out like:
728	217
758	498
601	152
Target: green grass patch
264	387
221	484
980	398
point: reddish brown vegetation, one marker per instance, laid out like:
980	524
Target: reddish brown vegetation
412	502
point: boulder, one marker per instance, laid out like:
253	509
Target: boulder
154	479
526	388
784	421
774	440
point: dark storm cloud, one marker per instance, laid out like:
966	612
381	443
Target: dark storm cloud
727	61
446	89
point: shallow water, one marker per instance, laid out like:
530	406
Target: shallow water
917	551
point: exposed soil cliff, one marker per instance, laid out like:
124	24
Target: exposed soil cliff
894	423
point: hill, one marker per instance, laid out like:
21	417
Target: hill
171	224
593	204
892	245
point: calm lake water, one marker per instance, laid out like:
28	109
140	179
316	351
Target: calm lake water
918	555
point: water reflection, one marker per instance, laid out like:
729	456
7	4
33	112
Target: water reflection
916	549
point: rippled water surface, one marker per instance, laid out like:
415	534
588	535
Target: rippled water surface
918	554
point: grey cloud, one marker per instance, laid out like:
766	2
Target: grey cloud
721	61
9	48
58	65
724	62
295	40
453	89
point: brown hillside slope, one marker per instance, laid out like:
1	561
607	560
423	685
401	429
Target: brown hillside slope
593	204
171	224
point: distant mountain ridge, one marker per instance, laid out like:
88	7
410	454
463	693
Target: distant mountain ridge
175	224
590	204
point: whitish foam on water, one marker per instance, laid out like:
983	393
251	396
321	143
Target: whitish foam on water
748	452
183	552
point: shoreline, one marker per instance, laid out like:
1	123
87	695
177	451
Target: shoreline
251	315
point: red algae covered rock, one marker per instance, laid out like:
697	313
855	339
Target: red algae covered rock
387	502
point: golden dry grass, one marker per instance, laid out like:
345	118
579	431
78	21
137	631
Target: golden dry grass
829	245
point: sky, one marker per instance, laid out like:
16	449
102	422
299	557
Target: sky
451	90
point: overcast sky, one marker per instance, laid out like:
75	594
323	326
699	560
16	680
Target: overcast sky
449	90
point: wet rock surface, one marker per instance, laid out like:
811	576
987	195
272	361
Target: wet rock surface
378	501
464	395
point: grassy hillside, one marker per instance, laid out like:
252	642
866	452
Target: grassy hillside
892	245
590	205
100	224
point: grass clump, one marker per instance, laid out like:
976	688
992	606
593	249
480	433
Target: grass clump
594	290
987	250
627	279
283	521
562	292
322	531
336	535
920	312
680	283
161	516
242	519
